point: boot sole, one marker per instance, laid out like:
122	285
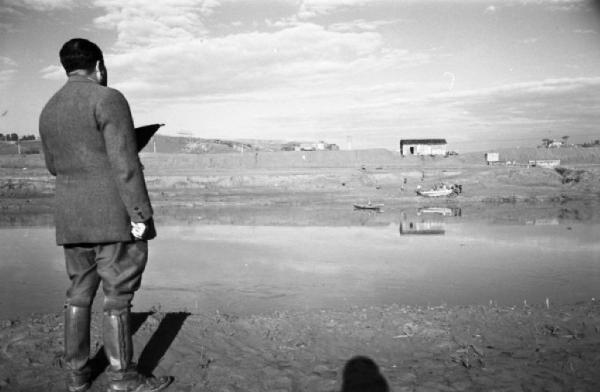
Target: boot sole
143	388
79	388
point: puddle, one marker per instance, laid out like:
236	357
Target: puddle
243	269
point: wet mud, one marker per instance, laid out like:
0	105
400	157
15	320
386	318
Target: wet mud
469	348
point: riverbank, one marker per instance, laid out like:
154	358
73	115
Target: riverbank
468	348
229	180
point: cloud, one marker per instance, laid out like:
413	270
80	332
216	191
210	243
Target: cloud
559	5
518	112
547	86
312	8
554	2
586	31
359	25
297	57
7	62
7	27
170	63
6	76
197	66
143	23
42	5
529	41
490	9
9	11
8	16
531	108
53	72
8	70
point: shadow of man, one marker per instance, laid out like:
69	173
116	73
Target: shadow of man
156	347
361	374
160	342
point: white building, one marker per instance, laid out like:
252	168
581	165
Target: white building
423	147
492	157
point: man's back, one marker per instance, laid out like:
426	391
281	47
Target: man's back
89	144
68	127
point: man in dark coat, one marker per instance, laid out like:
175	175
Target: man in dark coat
103	214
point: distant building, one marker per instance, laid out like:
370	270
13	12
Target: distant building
423	147
318	146
290	146
492	157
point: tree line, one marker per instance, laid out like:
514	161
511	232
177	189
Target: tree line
13	137
547	143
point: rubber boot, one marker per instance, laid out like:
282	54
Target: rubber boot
77	347
118	346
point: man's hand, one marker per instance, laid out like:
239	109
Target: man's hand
143	230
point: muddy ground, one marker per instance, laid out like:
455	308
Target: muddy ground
476	348
471	348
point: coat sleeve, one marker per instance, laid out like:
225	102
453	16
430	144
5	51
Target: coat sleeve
48	158
114	121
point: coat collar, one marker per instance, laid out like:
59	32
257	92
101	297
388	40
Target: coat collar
81	78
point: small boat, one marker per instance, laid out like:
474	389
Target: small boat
368	206
436	192
440	191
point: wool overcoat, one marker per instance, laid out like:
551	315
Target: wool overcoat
89	145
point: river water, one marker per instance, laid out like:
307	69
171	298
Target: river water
412	256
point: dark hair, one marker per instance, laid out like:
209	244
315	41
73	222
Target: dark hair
79	53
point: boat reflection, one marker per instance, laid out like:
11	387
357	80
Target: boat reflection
443	211
427	220
424	227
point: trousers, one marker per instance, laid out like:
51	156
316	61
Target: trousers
119	266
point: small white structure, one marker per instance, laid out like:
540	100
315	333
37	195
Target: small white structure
423	147
308	147
556	144
318	146
545	163
492	157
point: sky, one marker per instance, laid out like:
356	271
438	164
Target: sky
359	73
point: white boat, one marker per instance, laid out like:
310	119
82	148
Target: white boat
437	192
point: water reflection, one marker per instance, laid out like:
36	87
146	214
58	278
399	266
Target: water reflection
427	220
543	222
340	214
422	228
278	263
23	220
443	211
